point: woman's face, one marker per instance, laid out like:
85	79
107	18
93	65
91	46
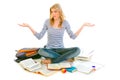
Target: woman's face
55	14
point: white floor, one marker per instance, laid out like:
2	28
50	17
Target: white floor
103	38
11	70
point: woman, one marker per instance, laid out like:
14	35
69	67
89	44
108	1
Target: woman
55	27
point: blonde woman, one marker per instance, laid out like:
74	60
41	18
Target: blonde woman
55	27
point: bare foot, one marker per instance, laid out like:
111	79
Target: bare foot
46	61
70	60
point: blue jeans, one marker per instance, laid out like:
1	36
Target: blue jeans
59	54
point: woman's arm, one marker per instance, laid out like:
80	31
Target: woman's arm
36	34
27	25
80	29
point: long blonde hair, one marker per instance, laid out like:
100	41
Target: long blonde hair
57	7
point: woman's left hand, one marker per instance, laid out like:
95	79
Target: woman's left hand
88	24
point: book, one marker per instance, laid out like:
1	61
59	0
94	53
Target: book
85	56
86	66
45	71
71	69
30	65
34	66
57	66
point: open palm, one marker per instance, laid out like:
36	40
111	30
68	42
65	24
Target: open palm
24	25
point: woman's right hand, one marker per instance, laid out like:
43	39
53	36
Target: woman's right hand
27	25
24	25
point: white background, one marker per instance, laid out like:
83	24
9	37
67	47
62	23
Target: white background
103	38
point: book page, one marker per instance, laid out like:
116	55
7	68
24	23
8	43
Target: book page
84	69
87	52
27	63
34	67
30	65
65	65
59	65
44	71
86	66
54	66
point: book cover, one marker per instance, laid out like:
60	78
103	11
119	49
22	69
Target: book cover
71	69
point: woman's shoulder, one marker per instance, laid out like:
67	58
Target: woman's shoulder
47	20
65	22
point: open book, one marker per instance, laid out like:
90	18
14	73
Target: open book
85	56
30	65
33	65
58	66
86	66
45	72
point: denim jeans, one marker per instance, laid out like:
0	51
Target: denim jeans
59	54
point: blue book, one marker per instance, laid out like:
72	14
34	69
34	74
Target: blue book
71	69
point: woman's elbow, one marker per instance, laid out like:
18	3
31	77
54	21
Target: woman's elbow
73	37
